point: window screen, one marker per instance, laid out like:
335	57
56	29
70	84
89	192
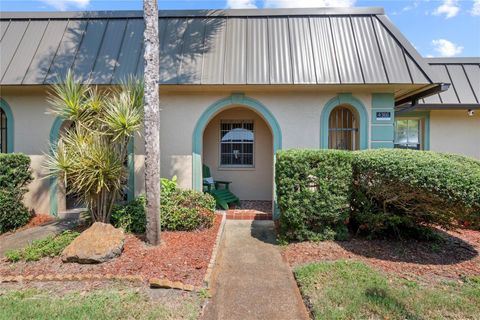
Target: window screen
407	134
236	143
3	131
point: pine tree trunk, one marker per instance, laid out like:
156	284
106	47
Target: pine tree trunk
152	120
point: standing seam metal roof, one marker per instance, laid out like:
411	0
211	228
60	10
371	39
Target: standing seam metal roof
310	46
464	76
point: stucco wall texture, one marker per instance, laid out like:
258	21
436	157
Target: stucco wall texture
297	113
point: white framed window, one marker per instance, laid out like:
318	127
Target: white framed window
237	143
409	133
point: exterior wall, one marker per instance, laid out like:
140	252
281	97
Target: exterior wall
297	112
455	132
31	136
248	183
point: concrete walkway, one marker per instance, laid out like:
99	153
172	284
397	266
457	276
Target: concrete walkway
251	280
20	239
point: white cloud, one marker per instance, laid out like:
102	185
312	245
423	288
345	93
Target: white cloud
308	3
241	4
446	48
449	8
476	8
63	5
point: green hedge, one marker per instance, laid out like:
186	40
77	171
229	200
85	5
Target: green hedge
15	175
397	190
313	193
181	210
389	192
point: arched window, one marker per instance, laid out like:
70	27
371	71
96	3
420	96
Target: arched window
3	131
343	129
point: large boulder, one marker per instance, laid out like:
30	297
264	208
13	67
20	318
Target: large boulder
97	244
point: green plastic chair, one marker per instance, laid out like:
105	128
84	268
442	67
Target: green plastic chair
223	196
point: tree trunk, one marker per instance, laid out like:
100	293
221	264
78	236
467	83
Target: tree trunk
152	120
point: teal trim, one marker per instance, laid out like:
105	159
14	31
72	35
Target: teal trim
381	145
341	99
131	170
382	133
54	136
197	138
10	125
383	100
425	115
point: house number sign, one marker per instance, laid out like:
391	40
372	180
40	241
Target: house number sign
384	116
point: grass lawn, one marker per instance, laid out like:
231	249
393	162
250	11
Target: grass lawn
125	303
353	290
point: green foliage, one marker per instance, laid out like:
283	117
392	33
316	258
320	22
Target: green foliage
313	193
131	217
391	192
400	192
353	290
90	156
186	210
15	175
48	247
181	210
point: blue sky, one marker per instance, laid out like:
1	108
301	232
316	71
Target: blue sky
435	27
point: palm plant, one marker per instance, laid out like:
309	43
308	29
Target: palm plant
90	155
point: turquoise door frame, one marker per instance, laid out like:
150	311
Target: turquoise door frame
209	113
10	124
53	189
344	99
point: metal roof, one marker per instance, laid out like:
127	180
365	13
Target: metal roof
250	47
464	76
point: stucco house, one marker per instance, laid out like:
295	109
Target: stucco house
238	85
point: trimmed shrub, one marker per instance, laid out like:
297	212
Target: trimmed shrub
131	217
181	210
187	210
400	191
15	175
313	193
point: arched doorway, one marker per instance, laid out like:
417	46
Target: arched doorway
343	129
238	147
342	135
235	100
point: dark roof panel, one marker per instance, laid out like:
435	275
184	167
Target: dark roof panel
257	55
368	50
67	51
9	45
25	52
464	76
324	51
297	46
280	58
42	60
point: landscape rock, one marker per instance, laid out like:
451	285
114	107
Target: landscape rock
99	243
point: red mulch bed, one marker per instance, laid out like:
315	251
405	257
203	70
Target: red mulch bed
457	257
182	256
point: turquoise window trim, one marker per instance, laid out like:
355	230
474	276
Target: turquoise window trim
341	99
210	112
425	115
10	125
54	136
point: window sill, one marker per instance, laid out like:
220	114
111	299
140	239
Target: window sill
233	168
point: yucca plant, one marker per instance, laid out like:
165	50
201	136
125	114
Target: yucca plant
90	155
